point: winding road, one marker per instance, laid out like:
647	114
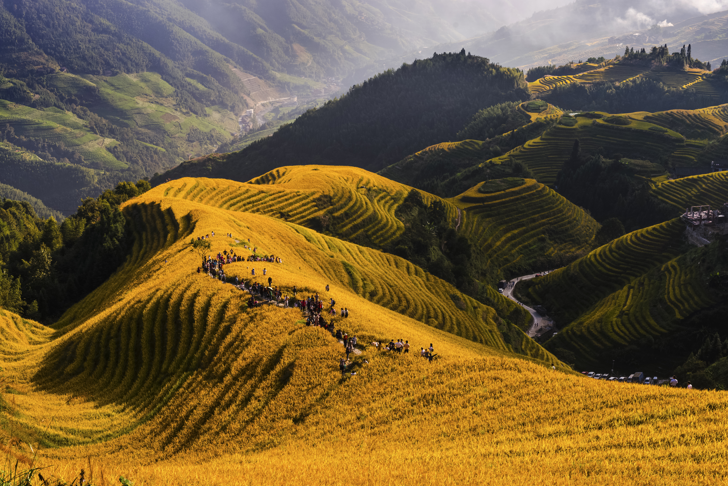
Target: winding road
539	322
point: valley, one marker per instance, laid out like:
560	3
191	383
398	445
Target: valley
230	256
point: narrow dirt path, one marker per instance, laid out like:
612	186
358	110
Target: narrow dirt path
460	217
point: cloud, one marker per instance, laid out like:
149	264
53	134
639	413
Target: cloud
635	20
665	23
707	6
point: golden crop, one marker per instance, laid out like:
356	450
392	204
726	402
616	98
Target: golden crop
164	376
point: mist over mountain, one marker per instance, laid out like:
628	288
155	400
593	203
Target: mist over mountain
578	26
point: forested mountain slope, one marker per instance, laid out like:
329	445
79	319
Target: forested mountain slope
379	122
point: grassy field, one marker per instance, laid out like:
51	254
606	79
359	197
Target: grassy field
145	100
163	376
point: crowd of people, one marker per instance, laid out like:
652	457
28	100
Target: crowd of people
401	346
312	307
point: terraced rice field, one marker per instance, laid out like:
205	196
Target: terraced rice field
698	190
614	73
58	126
550	112
550	82
621	73
709	87
676	79
361	204
617	73
575	289
649	306
514	226
546	155
164	376
720	112
712	122
157	334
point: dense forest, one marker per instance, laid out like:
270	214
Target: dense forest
43	211
381	121
46	267
611	188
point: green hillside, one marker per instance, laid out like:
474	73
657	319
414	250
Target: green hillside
645	299
449	169
570	291
545	155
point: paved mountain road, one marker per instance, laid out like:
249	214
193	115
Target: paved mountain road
540	323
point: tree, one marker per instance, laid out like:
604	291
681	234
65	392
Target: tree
52	236
690	54
10	294
574	161
72	229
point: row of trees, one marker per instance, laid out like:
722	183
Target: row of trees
661	55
